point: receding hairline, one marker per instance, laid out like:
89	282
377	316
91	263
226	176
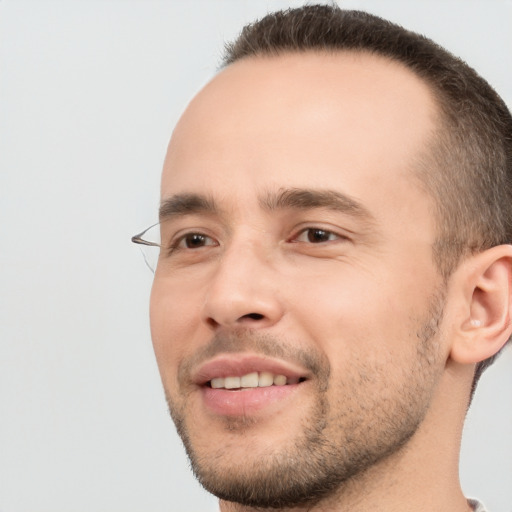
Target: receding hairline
355	53
435	94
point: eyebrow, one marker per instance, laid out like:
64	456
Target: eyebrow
282	199
186	204
309	199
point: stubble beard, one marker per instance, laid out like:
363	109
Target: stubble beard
337	441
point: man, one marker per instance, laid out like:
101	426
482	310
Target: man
335	268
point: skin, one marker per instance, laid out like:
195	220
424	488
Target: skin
367	302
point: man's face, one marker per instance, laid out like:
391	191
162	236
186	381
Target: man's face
297	249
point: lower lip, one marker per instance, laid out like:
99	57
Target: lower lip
245	402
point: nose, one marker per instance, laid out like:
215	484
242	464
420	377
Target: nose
244	290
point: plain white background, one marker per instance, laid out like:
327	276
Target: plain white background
89	94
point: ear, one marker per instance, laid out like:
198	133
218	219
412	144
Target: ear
483	325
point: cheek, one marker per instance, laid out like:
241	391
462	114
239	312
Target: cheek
174	320
357	314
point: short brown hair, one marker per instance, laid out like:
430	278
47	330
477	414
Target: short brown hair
472	152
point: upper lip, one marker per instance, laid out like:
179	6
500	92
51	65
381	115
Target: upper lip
237	365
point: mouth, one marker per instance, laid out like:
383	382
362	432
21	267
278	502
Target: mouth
246	385
253	380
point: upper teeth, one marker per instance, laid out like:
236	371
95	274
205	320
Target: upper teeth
251	380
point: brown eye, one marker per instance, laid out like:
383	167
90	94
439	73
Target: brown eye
317	236
195	241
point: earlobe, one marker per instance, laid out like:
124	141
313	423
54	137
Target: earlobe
485	281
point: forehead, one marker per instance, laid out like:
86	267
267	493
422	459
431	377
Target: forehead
350	121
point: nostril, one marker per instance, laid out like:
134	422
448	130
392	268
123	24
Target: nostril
213	323
254	316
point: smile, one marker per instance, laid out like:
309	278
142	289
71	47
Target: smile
248	384
253	380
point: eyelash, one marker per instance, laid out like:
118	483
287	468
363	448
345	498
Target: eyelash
176	245
180	243
323	232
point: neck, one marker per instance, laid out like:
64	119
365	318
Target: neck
422	476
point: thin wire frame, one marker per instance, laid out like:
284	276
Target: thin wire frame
149	244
